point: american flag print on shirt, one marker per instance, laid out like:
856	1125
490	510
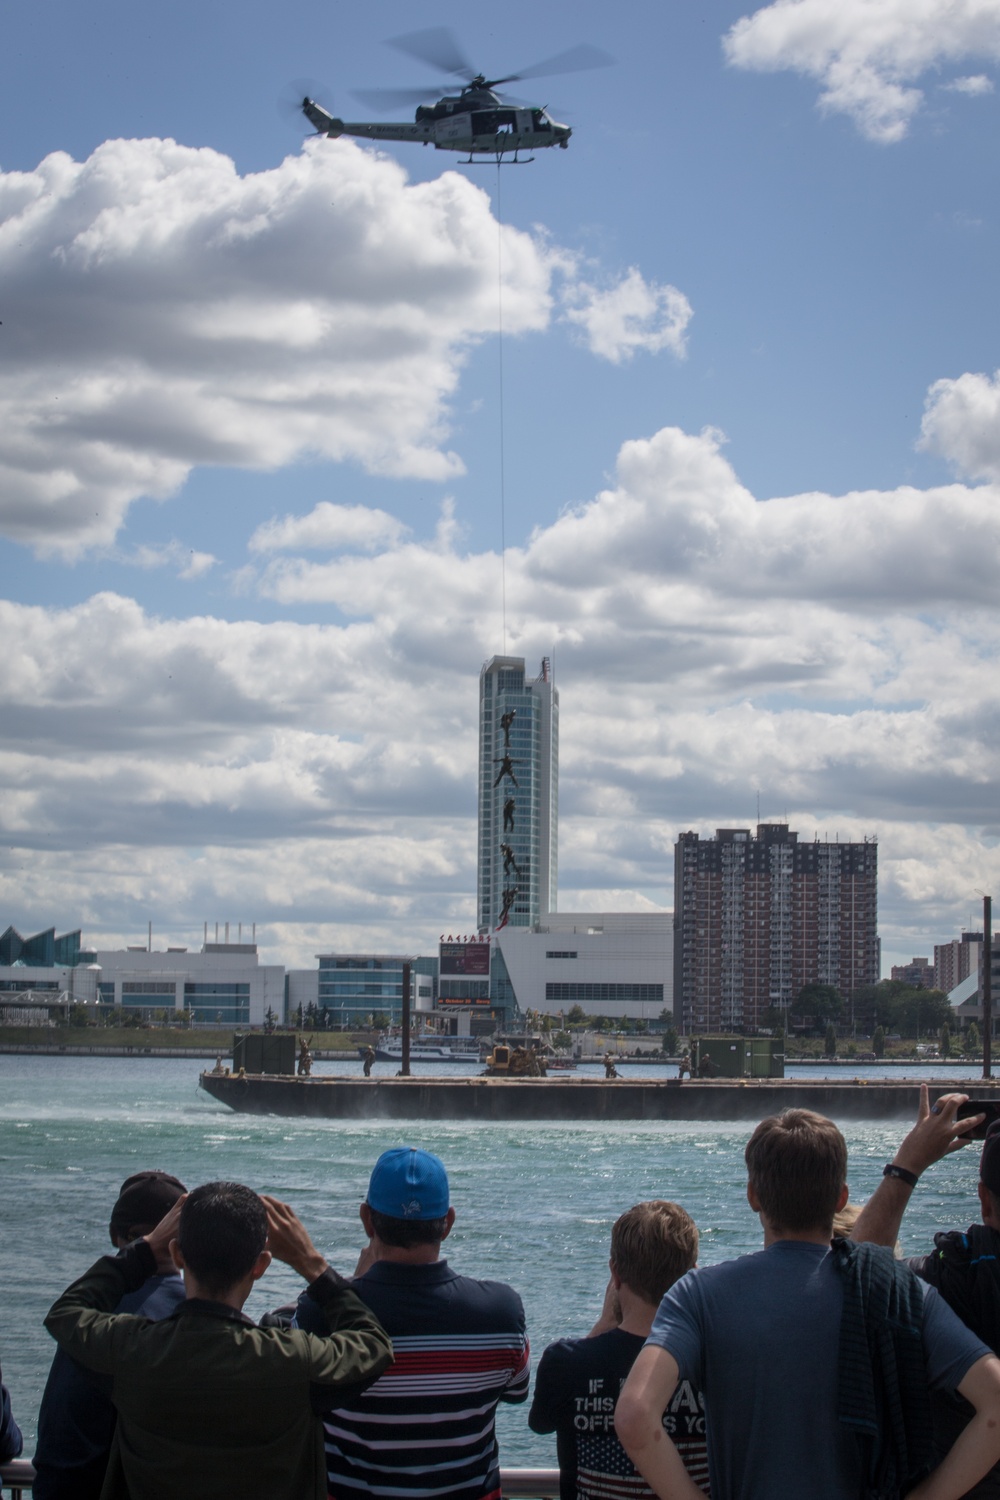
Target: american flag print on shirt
579	1382
604	1469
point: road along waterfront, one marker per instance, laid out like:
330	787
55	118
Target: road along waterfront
535	1200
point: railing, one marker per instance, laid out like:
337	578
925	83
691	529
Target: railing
17	1478
529	1484
516	1484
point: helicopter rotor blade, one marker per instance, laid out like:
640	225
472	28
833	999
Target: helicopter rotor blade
392	99
437	47
574	60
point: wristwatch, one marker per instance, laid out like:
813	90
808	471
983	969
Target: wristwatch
902	1173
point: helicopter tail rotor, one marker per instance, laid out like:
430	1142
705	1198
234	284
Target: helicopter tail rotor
295	95
323	123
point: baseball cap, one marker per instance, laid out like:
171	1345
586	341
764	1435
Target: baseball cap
144	1199
989	1162
407	1183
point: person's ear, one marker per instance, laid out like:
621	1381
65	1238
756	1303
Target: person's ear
449	1221
752	1198
261	1264
176	1256
365	1215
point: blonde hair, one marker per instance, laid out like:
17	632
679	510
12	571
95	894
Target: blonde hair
844	1221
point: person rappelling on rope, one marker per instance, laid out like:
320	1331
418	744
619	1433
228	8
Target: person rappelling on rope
509	860
509	897
506	764
508	815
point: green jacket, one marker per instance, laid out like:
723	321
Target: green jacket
209	1405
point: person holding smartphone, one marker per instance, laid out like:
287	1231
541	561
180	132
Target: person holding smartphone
964	1265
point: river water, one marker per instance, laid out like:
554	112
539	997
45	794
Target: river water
535	1202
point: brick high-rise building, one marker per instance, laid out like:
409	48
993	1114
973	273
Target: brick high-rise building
956	960
756	917
918	972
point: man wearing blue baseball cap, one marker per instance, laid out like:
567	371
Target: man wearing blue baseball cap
426	1427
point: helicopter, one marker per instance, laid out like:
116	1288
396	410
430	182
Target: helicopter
477	119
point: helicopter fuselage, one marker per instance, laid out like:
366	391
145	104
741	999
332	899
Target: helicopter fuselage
475	122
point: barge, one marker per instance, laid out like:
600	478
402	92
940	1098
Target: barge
512	1100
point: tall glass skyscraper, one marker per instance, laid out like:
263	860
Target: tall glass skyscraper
518	794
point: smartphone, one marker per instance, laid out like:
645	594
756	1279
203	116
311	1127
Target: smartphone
988	1107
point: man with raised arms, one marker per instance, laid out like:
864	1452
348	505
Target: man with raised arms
210	1405
815	1361
964	1265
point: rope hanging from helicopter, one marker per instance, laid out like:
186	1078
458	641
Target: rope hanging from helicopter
477	119
503	498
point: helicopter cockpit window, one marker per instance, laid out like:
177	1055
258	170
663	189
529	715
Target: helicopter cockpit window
540	120
493	122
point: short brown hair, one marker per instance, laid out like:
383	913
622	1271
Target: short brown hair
797	1166
652	1245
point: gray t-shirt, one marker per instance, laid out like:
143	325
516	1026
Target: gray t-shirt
760	1336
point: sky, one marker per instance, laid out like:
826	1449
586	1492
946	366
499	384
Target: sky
296	433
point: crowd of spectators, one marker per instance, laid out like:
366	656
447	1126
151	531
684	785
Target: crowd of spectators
822	1366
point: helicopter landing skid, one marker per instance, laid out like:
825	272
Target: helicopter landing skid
487	160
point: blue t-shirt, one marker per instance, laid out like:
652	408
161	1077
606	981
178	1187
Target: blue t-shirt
760	1336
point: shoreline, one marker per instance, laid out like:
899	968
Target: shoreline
331	1054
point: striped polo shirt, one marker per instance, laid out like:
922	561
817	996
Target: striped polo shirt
426	1426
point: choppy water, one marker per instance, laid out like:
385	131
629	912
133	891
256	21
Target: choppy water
535	1202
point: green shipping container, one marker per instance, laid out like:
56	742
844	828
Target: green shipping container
765	1056
258	1052
738	1057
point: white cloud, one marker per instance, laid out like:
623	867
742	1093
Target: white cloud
868	55
165	312
329	528
962	423
834	653
977	84
188	562
632	315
